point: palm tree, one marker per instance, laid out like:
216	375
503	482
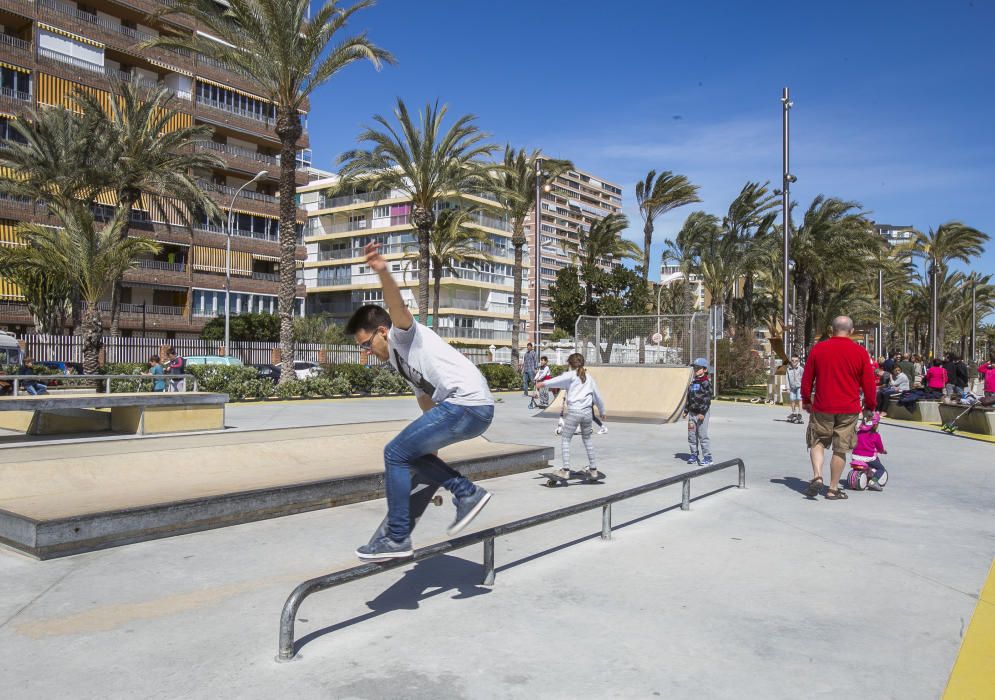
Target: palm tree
426	164
453	244
151	158
288	51
941	246
655	197
834	238
516	191
88	257
602	244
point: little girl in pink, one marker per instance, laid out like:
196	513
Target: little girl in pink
865	456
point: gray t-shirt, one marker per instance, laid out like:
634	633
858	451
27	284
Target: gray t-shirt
434	367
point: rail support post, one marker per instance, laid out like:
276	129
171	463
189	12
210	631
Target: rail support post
488	562
742	475
686	495
606	521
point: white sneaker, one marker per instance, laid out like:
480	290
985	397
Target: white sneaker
602	430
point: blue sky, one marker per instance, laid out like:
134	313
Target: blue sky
894	100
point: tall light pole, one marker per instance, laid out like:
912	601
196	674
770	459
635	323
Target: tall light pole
259	176
880	311
787	179
974	315
934	320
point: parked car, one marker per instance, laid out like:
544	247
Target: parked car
306	370
10	351
213	360
269	372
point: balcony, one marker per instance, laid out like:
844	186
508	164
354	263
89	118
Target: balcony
139	309
113	34
490	221
473	333
236	117
231	192
17	49
15	98
266	276
241	153
161	265
359	198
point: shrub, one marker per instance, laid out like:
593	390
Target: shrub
389	382
557	370
323	386
234	380
289	389
500	376
259	388
360	377
739	365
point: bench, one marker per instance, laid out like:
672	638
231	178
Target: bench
924	411
136	413
978	420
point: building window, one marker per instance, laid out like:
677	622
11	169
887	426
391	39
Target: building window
15	81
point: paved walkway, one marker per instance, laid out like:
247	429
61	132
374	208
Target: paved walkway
755	593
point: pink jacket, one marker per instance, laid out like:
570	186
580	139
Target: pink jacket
868	445
988	370
936	377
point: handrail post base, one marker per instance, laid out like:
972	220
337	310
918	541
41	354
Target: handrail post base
686	495
606	521
488	562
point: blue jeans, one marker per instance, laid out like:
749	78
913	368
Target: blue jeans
527	376
35	388
438	427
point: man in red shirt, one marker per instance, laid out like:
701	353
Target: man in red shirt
840	369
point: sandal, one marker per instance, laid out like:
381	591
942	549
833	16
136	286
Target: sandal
814	486
837	494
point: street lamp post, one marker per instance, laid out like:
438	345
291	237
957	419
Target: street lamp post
228	229
974	316
934	320
880	311
787	179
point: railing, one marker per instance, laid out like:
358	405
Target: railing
267	276
14	42
359	198
150	309
135	35
225	189
489	221
473	333
214	228
162	265
239	152
70	60
237	111
477	276
286	650
81	379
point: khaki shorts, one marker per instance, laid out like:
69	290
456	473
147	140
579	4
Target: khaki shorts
836	430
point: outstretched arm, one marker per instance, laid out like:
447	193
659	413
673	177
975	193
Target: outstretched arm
398	310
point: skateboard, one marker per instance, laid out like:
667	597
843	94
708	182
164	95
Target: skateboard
580	477
422	494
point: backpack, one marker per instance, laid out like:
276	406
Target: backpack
178	366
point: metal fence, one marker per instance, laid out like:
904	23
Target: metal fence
671	341
69	348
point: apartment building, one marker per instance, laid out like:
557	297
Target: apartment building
575	200
49	49
476	302
669	274
895	235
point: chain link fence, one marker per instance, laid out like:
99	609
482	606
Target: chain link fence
669	341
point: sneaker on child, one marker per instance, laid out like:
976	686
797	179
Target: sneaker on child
467	508
385	548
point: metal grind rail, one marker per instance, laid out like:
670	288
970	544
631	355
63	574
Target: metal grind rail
287	652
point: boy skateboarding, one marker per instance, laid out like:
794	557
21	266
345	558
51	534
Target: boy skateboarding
453	395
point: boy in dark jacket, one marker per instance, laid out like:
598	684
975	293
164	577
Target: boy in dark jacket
697	409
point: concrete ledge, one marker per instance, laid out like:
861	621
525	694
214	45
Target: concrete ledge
93	508
978	420
924	412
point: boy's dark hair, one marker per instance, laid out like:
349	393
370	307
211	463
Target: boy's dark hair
154	358
368	318
544	358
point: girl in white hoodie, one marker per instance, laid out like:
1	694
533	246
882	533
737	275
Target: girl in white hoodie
581	396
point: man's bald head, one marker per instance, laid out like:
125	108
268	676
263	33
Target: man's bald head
842	325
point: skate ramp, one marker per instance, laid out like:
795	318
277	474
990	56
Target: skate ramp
643	394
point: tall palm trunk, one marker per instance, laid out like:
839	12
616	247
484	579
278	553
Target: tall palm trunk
423	219
437	290
518	241
289	130
647	243
127	201
92	341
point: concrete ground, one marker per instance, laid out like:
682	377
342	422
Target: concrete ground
753	593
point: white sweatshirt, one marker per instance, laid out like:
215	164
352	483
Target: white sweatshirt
580	395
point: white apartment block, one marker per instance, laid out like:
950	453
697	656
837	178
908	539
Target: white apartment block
673	273
476	300
577	200
895	235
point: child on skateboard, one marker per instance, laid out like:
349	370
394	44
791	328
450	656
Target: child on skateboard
454	398
580	398
697	410
541	397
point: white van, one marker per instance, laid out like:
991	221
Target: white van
10	351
